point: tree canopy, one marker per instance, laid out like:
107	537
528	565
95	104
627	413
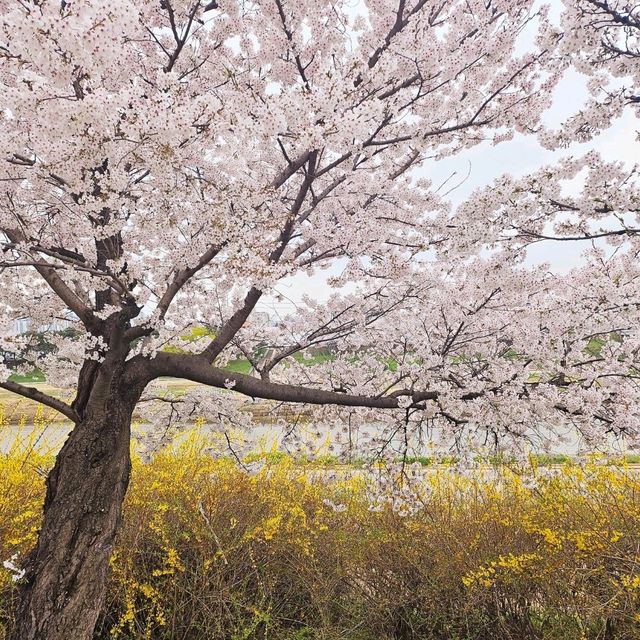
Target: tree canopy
168	164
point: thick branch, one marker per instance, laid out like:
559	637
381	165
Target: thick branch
57	284
233	325
198	369
293	166
33	394
182	277
237	320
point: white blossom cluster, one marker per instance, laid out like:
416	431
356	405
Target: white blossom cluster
168	165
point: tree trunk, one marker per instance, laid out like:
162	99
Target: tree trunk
65	580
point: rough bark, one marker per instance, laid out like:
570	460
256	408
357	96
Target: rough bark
64	585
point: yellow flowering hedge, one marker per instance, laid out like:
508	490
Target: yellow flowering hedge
209	551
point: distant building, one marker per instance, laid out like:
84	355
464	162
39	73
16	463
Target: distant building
23	325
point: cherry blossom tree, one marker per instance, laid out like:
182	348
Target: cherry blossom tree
587	200
167	164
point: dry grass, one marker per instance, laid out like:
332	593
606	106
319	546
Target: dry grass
210	552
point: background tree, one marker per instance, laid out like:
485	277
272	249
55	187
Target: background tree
167	164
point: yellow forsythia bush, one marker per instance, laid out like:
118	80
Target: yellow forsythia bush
208	551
